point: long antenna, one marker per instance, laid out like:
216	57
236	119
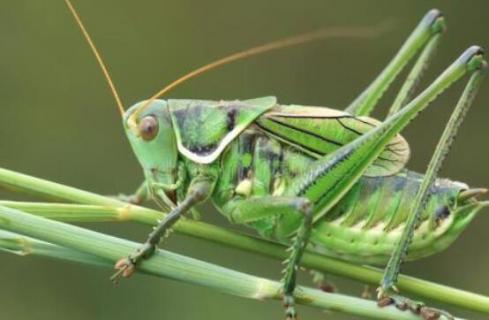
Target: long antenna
364	32
97	56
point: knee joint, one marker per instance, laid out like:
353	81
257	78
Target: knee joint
304	206
198	195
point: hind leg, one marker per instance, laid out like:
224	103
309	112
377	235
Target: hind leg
430	27
387	292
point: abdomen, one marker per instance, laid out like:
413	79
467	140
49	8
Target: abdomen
364	226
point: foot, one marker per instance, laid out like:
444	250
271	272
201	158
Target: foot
391	296
126	266
320	280
132	199
290	313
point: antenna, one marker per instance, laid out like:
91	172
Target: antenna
97	56
362	32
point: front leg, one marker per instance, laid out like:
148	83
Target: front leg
200	189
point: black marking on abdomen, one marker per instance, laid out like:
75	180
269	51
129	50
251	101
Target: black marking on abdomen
246	145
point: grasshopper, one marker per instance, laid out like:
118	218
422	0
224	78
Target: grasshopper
319	178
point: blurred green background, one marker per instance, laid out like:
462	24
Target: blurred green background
58	121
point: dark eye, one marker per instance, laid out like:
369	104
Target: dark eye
148	128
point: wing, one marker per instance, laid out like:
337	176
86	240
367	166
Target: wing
319	131
204	128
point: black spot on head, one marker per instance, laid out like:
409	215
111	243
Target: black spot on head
231	118
203	150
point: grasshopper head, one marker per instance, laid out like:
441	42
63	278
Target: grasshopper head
151	135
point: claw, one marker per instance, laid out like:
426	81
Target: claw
327	287
125	268
131	199
385	301
290	313
402	305
388	297
429	314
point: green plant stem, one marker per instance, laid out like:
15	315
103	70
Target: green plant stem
174	266
422	288
24	246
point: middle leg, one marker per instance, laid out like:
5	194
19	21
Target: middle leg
287	210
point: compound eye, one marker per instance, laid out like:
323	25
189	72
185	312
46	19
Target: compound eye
148	128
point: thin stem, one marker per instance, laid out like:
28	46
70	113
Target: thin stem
170	265
50	190
23	246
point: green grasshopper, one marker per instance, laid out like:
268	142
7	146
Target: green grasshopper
329	180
